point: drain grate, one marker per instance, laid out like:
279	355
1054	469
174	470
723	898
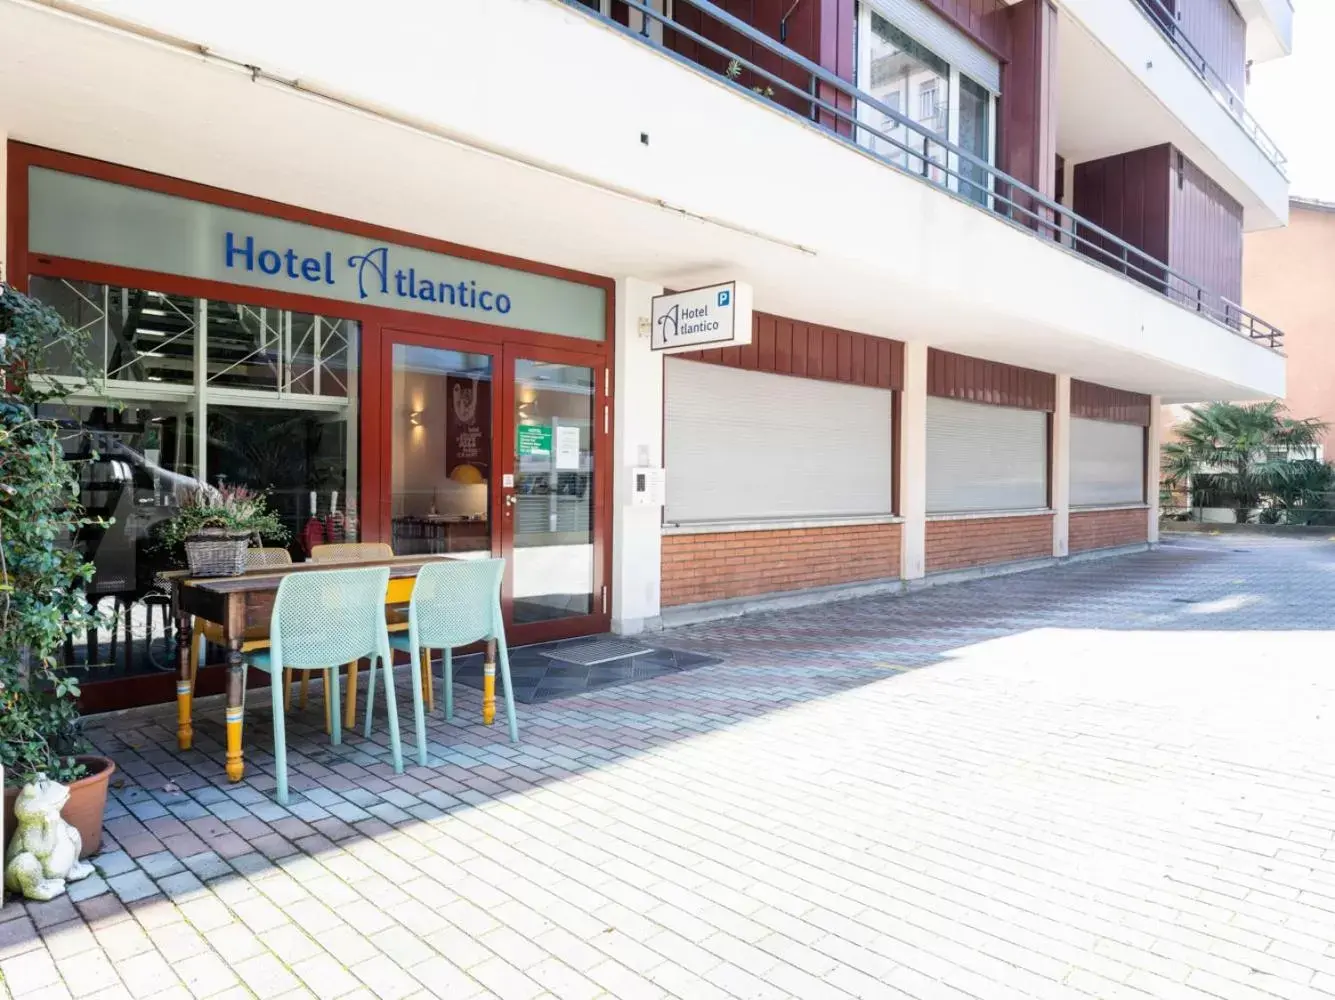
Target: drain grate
590	654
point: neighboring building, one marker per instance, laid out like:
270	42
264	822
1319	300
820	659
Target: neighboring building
398	260
1287	276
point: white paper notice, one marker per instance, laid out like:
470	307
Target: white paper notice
567	448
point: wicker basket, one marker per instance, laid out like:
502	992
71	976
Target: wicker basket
217	552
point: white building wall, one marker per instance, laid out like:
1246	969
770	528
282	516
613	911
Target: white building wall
637	441
913	463
1061	468
961	280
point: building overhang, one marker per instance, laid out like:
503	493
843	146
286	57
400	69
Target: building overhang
446	141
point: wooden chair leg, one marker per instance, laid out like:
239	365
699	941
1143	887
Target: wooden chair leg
328	701
350	710
305	687
287	689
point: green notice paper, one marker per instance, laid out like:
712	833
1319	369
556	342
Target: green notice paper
534	439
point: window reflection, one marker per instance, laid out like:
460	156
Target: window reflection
209	393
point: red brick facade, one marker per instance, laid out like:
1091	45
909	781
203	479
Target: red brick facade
730	564
981	541
1106	529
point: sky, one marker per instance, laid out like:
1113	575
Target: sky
1283	99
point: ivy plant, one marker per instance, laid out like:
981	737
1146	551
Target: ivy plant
42	576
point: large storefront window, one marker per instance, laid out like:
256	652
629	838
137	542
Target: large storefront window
199	392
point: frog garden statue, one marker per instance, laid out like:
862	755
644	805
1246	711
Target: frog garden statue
44	853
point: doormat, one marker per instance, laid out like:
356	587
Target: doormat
547	671
590	654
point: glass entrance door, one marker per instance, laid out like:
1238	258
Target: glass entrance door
552	505
501	450
441	470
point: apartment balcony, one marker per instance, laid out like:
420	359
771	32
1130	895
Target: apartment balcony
1133	75
544	130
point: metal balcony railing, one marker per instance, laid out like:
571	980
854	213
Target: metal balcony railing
846	114
1166	21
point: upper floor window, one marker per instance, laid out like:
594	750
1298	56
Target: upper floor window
917	64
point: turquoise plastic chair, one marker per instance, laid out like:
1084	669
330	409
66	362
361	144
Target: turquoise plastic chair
323	618
454	603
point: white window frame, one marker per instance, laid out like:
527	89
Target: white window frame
865	114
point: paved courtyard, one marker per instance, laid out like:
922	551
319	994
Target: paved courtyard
1112	779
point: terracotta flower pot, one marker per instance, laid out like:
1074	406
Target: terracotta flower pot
88	801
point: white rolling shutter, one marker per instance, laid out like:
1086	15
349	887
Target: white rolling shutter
924	25
753	446
982	457
1107	463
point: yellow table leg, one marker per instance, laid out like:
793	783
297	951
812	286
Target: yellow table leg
489	685
236	668
287	690
350	710
305	684
428	682
185	686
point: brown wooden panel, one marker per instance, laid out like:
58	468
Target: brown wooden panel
1101	402
807	350
1205	233
1219	34
764	335
958	376
1027	112
1128	195
983	20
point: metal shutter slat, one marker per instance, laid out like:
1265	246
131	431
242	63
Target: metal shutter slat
752	446
1107	462
982	457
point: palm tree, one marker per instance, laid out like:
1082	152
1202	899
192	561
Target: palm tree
1237	454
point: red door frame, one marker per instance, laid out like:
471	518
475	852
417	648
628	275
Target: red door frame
373	461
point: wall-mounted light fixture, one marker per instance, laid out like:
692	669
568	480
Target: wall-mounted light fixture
415	417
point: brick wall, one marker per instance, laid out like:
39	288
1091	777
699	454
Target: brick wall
722	565
1106	529
981	541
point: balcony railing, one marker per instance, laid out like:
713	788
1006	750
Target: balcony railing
793	84
1166	21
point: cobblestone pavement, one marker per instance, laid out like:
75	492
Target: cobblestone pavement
1112	779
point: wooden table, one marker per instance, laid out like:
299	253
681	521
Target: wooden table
238	603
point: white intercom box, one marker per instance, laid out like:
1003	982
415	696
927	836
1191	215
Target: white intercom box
648	487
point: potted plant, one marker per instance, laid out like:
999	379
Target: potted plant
215	527
42	576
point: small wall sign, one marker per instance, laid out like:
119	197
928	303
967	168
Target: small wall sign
714	316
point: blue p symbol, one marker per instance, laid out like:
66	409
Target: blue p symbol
724	296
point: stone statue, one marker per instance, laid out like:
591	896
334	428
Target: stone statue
44	853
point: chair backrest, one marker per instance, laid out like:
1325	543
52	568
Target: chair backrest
262	558
457	601
351	552
322	618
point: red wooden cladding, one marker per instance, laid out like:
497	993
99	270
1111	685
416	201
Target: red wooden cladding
1128	195
1100	402
808	350
1028	106
1205	231
1219	34
1159	201
958	376
984	20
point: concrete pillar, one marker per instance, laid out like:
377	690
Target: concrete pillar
637	532
1061	468
1152	468
913	463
